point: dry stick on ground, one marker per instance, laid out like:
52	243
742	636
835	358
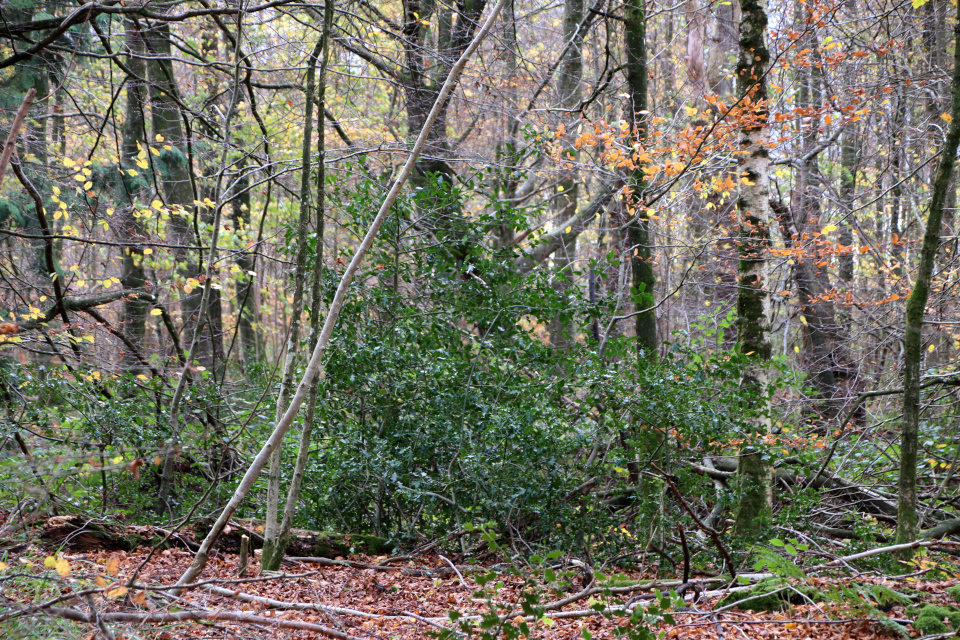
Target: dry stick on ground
184	616
316	359
11	142
710	531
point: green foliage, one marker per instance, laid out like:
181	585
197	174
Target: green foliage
935	619
954	592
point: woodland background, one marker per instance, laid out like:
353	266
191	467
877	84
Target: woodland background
655	265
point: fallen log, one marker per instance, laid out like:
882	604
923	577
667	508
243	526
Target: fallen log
81	533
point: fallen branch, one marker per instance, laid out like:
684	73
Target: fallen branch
916	544
184	616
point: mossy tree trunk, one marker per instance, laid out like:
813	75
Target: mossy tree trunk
753	301
907	521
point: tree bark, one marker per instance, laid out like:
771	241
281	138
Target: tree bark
638	226
248	302
907	521
569	81
753	301
129	229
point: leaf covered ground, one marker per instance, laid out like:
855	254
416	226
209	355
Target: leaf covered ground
400	598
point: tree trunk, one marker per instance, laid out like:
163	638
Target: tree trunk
129	229
907	521
248	302
272	549
638	229
174	165
569	81
723	47
303	454
753	301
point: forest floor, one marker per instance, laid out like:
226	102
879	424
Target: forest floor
406	600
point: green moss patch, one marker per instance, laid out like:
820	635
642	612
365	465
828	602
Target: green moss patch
954	592
933	619
331	545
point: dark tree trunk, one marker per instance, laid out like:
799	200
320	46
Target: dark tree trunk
638	229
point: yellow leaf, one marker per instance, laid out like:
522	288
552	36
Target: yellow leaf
691	111
117	593
829	228
142	164
803	320
156	204
63	567
747	182
113	565
50	562
3	565
142	155
142	377
568	229
101	582
56	191
156	312
931	349
67	162
796	349
154	151
159	138
919	3
80	177
106	283
147	252
88	185
947	117
132	172
88	338
749	353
